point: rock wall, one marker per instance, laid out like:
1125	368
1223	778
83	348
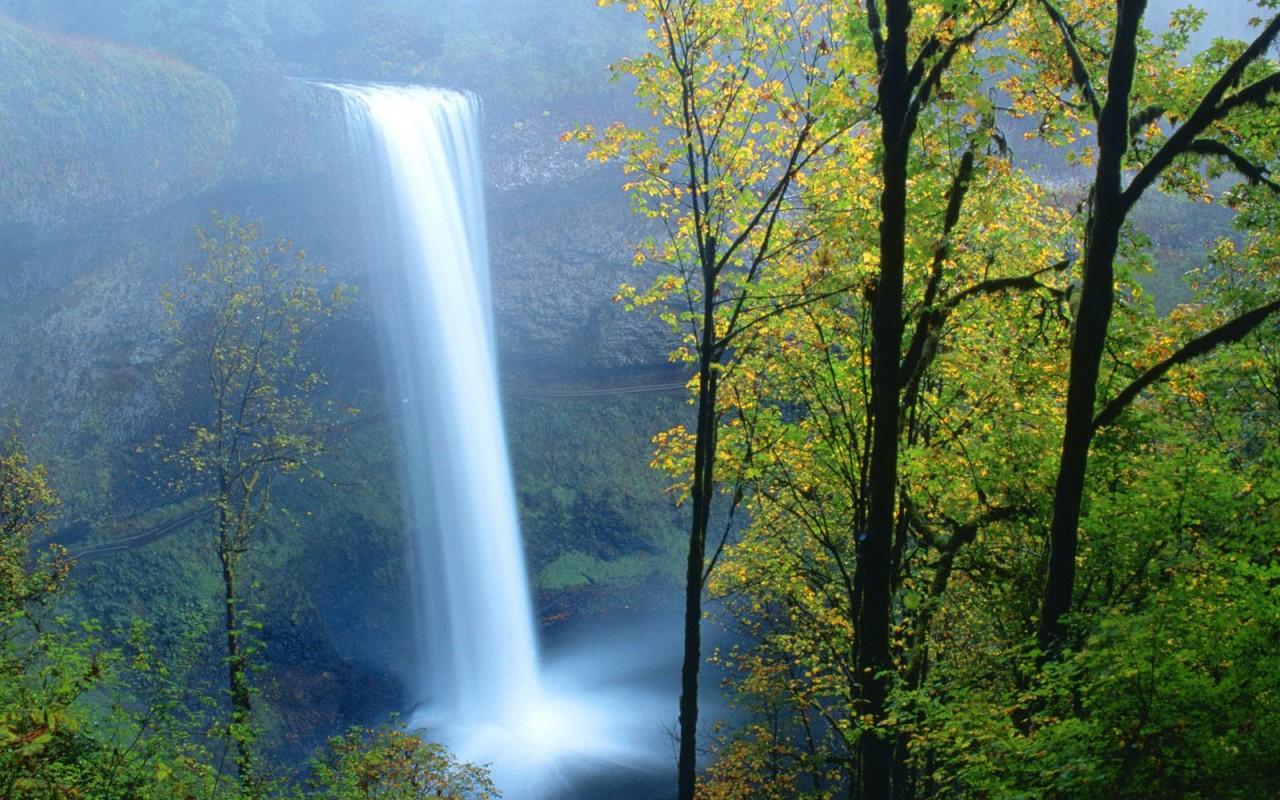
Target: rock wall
560	251
89	128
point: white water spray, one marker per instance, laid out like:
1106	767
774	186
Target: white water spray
478	655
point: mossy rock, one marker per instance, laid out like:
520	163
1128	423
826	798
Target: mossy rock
87	127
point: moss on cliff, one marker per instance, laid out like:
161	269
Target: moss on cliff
593	511
86	125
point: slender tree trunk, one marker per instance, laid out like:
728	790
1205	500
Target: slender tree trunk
237	677
704	455
1097	297
875	546
237	661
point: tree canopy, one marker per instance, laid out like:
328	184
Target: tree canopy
979	471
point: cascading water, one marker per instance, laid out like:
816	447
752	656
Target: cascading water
479	648
478	673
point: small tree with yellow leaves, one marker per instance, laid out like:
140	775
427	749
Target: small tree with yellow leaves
242	318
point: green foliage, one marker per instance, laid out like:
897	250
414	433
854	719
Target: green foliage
392	763
520	55
77	718
1168	685
1173	698
222	36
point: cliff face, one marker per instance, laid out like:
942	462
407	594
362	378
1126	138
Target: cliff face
89	128
560	252
82	353
107	147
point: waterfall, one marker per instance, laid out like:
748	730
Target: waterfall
547	732
422	158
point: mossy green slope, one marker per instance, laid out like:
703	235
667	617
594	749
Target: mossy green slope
86	125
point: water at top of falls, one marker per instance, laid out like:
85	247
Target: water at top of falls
479	676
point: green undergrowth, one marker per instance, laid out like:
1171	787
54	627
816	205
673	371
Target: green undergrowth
576	570
593	511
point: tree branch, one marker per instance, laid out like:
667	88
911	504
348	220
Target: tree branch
940	67
927	51
1079	70
1228	333
1211	108
998	285
1257	93
924	344
955	201
1144	117
1255	173
877	36
962	534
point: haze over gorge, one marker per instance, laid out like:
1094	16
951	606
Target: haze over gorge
639	400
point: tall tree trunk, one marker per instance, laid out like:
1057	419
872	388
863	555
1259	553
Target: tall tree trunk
704	454
237	674
876	751
237	661
1097	297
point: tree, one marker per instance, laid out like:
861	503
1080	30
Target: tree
914	70
798	429
734	87
1209	122
27	508
243	318
391	763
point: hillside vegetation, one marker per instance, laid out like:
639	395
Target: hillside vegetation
88	124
